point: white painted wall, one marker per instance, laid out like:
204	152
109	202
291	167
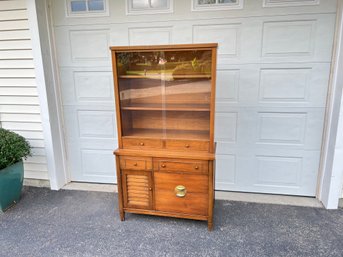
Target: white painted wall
19	103
43	55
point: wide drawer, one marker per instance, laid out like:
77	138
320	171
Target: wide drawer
135	163
181	193
187	145
180	165
141	143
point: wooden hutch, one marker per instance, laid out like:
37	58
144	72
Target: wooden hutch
165	100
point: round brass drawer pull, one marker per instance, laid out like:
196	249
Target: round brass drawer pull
141	144
196	167
163	165
180	191
187	146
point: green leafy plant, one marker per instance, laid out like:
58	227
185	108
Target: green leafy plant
13	148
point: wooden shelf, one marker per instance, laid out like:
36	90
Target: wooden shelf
166	76
167	107
168	134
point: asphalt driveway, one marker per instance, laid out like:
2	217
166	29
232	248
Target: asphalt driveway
79	223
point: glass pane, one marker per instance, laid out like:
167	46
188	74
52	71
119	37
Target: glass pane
187	93
140	93
165	94
160	4
227	1
204	2
148	4
96	5
140	4
78	6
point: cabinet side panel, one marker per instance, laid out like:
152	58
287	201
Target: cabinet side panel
120	189
213	96
116	97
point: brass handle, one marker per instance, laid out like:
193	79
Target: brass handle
196	167
163	165
135	164
141	144
180	191
187	146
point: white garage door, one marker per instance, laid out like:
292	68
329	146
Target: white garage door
273	70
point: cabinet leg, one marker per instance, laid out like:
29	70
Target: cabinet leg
122	216
209	225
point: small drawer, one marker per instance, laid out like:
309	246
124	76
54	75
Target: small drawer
135	163
187	145
141	143
180	165
182	193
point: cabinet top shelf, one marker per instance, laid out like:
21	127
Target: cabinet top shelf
167	107
164	47
166	76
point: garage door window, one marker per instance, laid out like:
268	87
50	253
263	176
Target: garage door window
82	8
209	5
148	6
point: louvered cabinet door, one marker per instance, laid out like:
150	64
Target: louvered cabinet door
137	189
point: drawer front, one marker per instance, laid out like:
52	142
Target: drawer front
138	143
181	193
135	163
187	145
180	165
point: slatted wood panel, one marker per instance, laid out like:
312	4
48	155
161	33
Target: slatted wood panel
19	103
137	190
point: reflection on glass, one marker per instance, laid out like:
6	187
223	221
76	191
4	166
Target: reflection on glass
78	6
148	4
227	1
96	5
207	2
165	93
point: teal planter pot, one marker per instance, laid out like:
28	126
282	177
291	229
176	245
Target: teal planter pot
11	183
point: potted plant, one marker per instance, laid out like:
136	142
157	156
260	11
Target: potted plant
13	148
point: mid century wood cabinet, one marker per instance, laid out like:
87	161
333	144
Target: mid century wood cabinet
165	114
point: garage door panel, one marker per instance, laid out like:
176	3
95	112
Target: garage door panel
311	38
293	85
272	85
267	39
91	165
89	123
287	173
293	173
86	86
298	127
83	46
91	138
226	171
228	37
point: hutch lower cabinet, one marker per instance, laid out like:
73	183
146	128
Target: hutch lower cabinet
165	115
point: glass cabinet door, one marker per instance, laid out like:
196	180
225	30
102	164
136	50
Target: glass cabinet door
165	94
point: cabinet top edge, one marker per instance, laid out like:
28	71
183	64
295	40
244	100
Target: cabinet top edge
164	47
166	154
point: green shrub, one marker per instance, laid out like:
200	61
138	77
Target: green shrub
13	148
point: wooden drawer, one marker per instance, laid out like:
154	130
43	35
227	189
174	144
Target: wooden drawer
195	200
138	143
135	163
187	145
180	165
